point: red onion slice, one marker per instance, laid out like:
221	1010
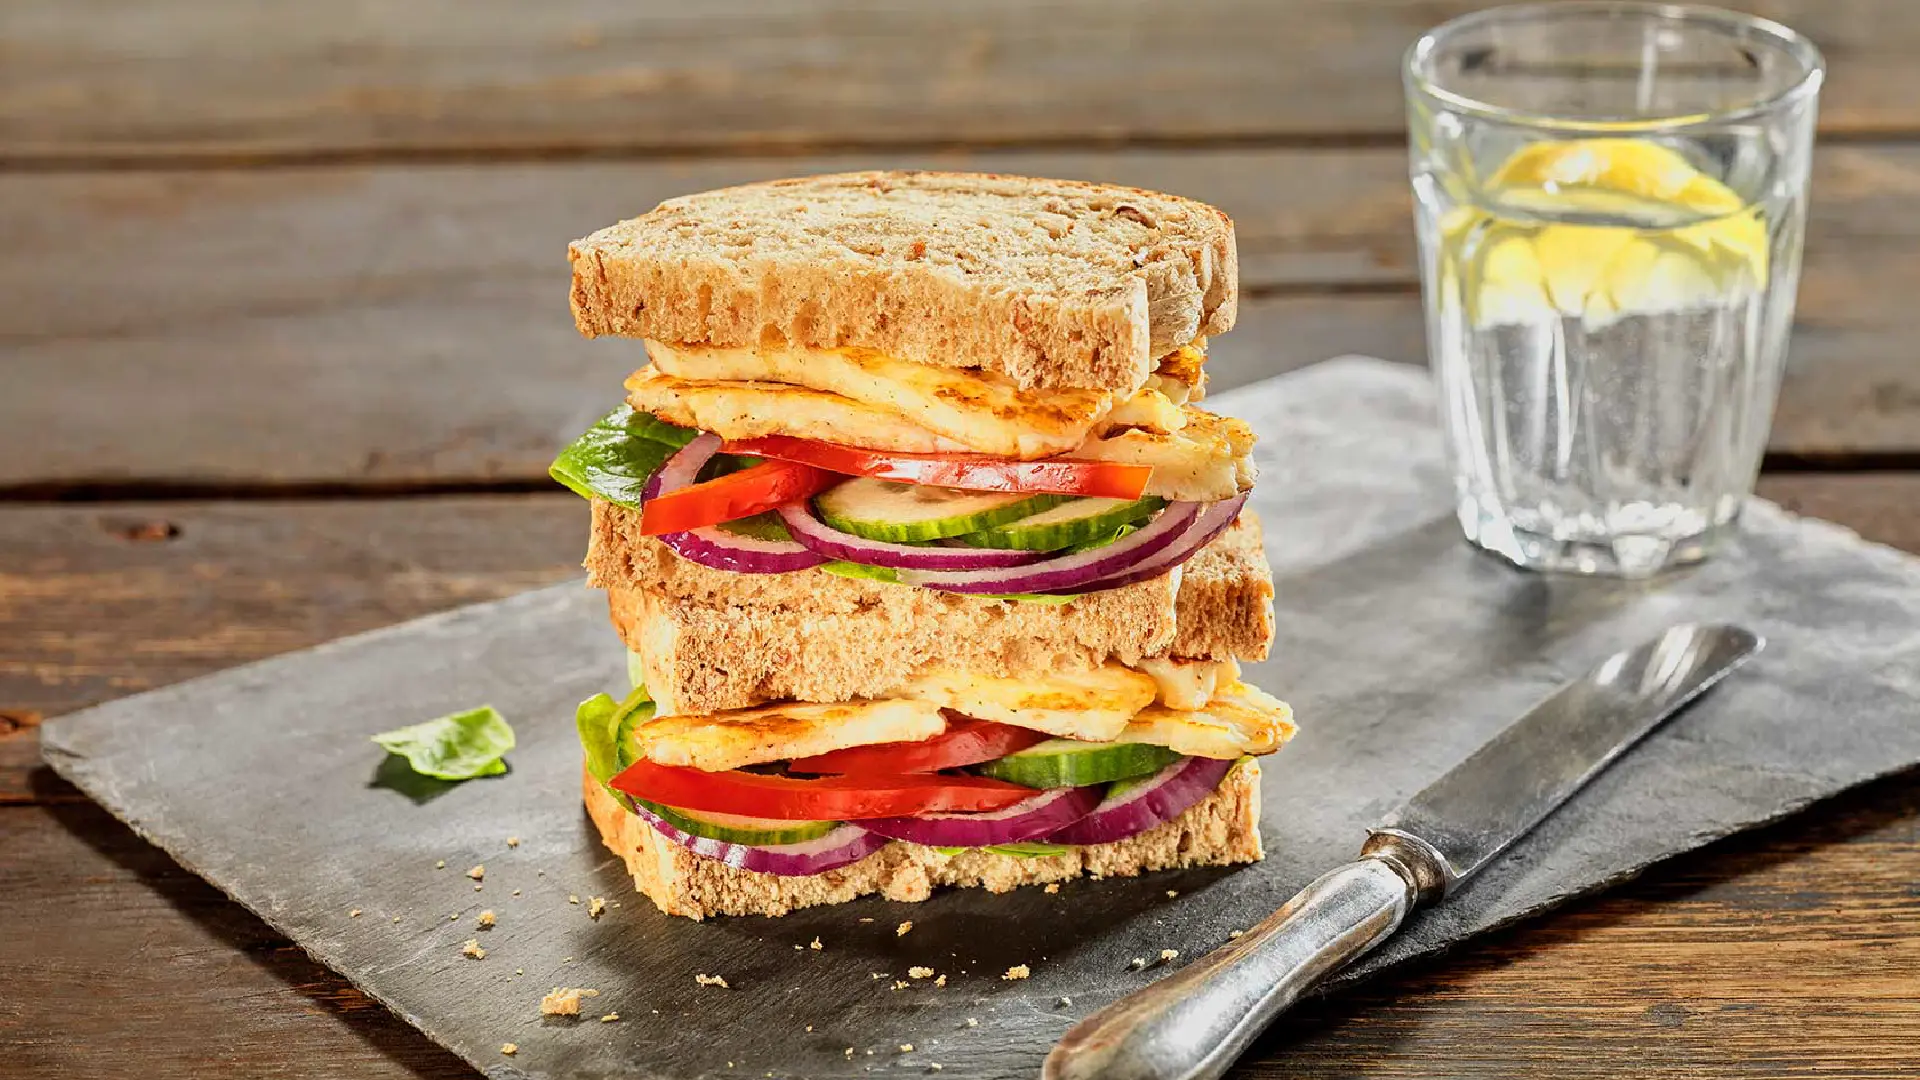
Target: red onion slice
846	844
826	540
1209	523
1029	819
715	547
1138	807
1067	571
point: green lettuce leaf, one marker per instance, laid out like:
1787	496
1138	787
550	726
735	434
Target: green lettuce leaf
606	729
460	746
1018	851
614	459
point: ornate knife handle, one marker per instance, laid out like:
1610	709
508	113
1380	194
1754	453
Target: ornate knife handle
1192	1025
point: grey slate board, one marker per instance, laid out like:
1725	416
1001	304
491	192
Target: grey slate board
1400	648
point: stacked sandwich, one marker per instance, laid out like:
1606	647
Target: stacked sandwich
930	567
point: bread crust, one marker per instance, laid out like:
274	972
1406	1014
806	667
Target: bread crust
1053	283
1220	830
710	640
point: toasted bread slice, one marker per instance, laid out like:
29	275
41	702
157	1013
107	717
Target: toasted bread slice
1220	830
1052	283
710	640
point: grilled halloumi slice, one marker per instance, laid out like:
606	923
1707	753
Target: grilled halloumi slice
1095	705
1209	458
730	740
983	412
1240	719
1189	684
1180	375
745	410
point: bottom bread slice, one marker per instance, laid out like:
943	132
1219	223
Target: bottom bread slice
1220	830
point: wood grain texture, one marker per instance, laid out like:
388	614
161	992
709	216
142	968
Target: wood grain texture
91	80
408	324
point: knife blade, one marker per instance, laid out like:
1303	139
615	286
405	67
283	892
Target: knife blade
1193	1024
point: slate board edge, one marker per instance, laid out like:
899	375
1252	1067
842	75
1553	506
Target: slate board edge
73	767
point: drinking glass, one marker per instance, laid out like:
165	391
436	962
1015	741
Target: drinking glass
1610	200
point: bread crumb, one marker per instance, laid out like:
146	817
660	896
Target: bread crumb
918	972
441	865
900	984
396	920
712	980
513	841
1171	893
849	1053
906	1048
1136	964
809	1027
565	1000
509	1049
573	898
610	1018
477	888
1017	971
478	872
519	971
596	907
971	1022
815	944
935	1066
1169	954
941	981
472	948
1234	935
866	918
901	930
1052	887
516	892
484	920
1065	1001
354	914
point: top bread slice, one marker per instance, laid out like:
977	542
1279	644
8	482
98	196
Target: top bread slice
1052	283
711	640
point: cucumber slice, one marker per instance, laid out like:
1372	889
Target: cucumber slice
902	513
1080	521
1072	763
735	829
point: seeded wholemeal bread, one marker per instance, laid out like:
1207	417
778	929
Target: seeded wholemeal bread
1220	830
710	640
1053	283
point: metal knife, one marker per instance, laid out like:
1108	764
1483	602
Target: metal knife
1193	1024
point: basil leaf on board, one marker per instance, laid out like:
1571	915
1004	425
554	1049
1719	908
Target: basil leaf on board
459	746
614	459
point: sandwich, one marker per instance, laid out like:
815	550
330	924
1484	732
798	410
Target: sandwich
931	567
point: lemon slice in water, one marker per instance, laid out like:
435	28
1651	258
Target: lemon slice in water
1597	229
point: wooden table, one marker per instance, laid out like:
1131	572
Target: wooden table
286	352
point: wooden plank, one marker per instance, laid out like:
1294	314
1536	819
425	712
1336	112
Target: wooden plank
407	324
124	964
1712	967
92	80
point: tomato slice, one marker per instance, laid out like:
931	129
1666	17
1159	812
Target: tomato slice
969	472
966	742
727	498
832	798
